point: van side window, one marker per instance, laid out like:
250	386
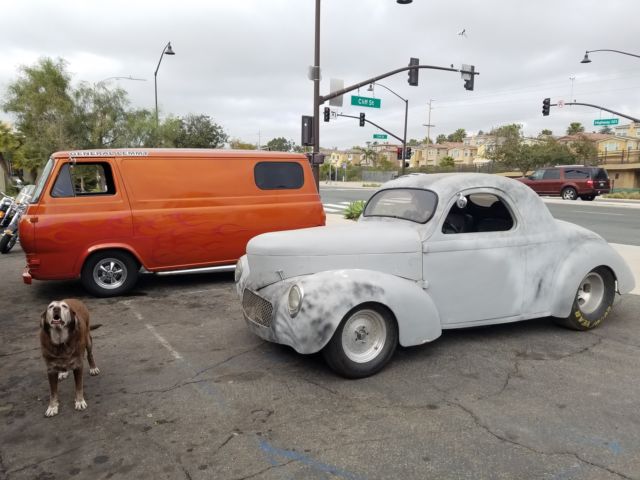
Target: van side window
84	179
576	174
551	174
278	175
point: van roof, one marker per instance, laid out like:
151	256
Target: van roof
176	153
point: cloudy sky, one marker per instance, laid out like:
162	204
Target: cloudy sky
245	62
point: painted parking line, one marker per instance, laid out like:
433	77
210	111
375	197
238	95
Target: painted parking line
600	213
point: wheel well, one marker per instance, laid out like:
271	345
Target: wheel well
108	249
375	306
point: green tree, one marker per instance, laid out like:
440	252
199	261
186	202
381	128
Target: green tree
10	149
585	150
413	142
442	138
606	129
545	132
41	101
370	157
199	131
574	128
447	162
238	144
457	136
280	144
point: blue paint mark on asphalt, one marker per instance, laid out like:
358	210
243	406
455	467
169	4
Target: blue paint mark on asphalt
273	452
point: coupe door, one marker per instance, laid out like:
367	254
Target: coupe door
475	271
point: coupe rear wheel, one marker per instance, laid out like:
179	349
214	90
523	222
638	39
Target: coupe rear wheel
109	273
363	343
592	302
569	193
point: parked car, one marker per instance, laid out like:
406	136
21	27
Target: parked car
104	215
569	182
430	252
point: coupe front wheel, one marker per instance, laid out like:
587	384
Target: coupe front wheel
592	302
363	343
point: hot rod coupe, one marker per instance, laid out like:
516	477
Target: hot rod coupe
430	252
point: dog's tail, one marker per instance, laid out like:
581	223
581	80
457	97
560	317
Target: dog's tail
93	327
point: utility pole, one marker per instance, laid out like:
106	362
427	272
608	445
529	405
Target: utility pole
571	96
428	125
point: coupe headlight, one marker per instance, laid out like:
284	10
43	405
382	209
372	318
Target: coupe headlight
295	300
238	272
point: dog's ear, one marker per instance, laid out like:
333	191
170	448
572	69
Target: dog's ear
74	320
43	323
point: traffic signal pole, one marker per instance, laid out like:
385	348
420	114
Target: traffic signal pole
629	117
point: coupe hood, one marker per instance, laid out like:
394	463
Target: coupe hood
395	249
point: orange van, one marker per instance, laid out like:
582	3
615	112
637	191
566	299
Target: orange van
105	216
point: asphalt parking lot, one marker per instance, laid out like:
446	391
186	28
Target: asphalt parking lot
185	391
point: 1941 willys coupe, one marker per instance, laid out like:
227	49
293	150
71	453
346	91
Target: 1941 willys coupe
430	252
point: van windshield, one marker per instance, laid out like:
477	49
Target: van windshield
42	179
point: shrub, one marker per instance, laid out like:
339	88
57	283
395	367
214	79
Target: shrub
354	210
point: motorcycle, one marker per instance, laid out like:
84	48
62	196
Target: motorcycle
13	209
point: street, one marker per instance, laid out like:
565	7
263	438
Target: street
185	391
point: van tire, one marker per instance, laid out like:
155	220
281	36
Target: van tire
109	273
569	193
588	198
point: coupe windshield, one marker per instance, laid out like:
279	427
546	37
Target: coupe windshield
411	204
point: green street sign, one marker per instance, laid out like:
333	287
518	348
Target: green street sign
381	136
365	101
606	121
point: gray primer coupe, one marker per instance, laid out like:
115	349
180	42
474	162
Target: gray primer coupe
430	252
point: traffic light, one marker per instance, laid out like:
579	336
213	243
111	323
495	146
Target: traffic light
362	119
327	114
399	153
468	76
407	153
413	73
546	106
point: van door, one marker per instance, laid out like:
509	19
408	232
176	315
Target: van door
85	208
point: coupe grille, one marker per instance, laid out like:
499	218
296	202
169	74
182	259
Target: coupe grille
256	308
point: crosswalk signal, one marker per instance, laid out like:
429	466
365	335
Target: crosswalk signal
362	119
327	114
546	105
413	72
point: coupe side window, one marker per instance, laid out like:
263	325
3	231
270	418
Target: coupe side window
483	212
84	179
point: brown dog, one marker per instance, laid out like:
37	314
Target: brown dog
64	336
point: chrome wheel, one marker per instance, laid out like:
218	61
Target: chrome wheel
110	273
590	293
364	336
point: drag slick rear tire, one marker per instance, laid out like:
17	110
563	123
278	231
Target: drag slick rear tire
363	343
592	302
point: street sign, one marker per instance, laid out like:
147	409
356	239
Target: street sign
606	121
365	101
381	136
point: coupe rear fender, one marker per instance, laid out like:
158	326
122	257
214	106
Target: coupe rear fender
582	260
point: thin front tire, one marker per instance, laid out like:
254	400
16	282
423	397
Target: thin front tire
363	343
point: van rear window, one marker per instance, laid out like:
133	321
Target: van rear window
278	175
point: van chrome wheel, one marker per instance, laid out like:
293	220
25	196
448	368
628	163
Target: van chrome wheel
569	193
364	335
110	273
590	293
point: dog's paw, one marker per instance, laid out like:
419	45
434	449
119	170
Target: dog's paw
63	375
81	404
52	410
94	371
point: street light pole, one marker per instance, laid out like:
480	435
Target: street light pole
406	113
586	58
428	125
167	50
